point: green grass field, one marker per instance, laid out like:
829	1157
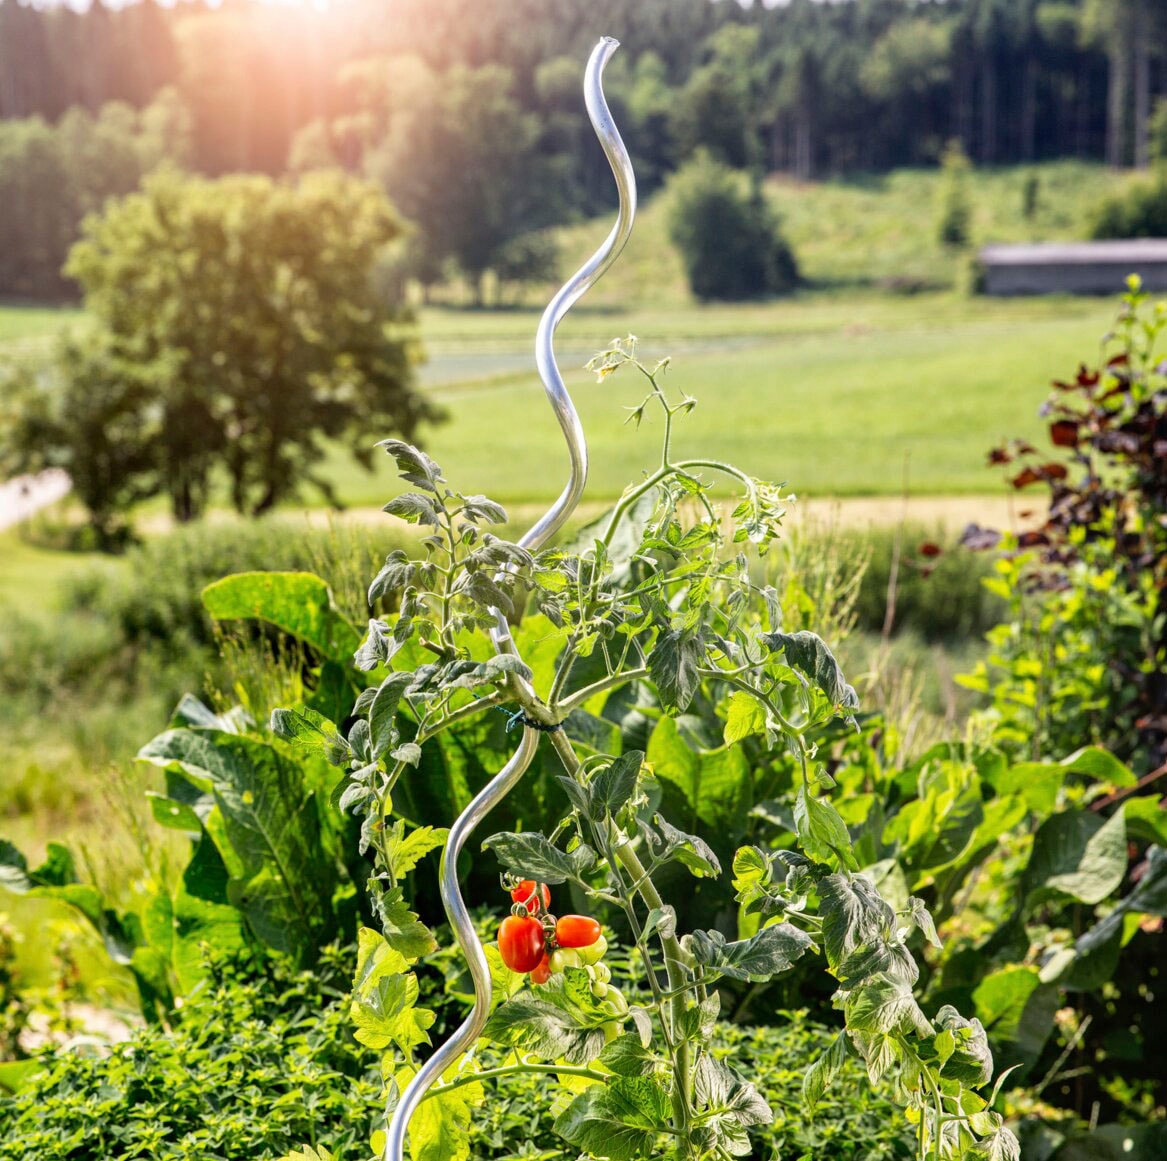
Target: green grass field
829	393
834	390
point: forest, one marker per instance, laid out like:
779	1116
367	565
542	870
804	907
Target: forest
92	100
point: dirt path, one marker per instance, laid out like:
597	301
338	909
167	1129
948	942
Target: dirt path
26	495
943	513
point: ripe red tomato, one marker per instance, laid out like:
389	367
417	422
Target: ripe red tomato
576	931
521	943
527	894
541	972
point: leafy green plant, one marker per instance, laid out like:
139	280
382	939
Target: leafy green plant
257	1061
729	239
660	596
1083	654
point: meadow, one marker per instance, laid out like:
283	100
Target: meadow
851	388
882	369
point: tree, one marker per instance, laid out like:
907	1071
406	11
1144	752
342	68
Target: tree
52	175
954	211
99	424
236	329
728	236
459	159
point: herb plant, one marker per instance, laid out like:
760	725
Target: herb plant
656	598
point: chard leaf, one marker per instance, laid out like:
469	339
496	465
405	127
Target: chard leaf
299	603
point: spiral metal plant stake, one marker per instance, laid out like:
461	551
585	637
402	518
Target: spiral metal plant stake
533	540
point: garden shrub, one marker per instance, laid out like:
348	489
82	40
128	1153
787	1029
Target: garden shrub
729	238
1082	656
940	594
1137	211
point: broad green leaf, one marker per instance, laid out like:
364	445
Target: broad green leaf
13	869
386	1012
716	786
1146	819
562	1022
174	815
615	784
966	1048
439	1129
673	665
202	915
414	508
687	849
1076	854
1000	1145
1003	999
406	851
1017	1009
15	1074
1148	898
268	834
821	831
809	654
819	1076
413	465
745	717
299	603
403	931
770	952
530	856
722	1092
626	1056
383	711
922	918
885	1005
935	829
376	959
853	914
311	731
618	1120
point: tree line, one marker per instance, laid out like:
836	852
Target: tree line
468	111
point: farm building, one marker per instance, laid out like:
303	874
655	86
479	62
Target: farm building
1073	267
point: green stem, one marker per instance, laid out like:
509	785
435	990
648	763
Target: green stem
610	682
674	955
516	1070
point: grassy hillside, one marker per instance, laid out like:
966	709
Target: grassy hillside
832	390
873	230
831	394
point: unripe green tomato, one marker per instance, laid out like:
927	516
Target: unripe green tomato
616	1002
600	991
564	957
601	973
611	1030
593	953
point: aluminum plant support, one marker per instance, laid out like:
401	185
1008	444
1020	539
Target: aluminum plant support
544	528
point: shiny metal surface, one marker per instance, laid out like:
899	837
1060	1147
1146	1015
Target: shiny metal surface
538	535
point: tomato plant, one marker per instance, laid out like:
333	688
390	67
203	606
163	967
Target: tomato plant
658	595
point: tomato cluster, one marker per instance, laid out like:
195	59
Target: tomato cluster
531	940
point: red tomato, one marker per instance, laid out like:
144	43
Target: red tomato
527	894
541	972
521	943
576	931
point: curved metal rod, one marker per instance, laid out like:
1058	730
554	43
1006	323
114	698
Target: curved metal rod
497	789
